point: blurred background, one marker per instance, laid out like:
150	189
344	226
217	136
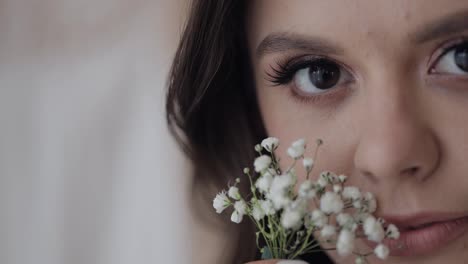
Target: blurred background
88	171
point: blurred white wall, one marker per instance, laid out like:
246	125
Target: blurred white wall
88	172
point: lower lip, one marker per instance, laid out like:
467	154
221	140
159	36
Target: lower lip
427	239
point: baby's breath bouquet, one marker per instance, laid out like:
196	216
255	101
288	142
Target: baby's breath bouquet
292	220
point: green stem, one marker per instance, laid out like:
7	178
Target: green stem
304	245
292	166
265	234
275	163
252	186
319	142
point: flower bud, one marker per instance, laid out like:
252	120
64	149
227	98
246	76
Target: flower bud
359	260
342	178
258	148
381	251
308	163
234	193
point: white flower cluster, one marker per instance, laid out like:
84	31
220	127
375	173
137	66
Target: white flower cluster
284	214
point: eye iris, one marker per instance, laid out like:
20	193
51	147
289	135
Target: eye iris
461	57
324	74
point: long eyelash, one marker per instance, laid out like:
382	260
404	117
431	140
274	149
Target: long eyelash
283	72
281	75
461	42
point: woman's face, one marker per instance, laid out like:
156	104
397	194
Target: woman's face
385	85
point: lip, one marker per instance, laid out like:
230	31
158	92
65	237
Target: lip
423	233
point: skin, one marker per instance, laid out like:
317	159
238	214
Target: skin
396	130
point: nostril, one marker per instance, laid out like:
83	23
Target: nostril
411	171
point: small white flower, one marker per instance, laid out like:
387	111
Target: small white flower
381	251
236	217
328	231
221	202
337	188
262	163
234	193
360	217
373	229
357	204
280	201
240	207
267	207
329	176
306	190
264	182
300	143
270	144
278	190
281	184
308	163
393	232
344	219
297	149
291	218
345	243
342	178
318	218
331	203
295	153
322	182
351	192
359	260
371	202
258	212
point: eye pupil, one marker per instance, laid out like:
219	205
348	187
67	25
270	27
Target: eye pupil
324	74
461	57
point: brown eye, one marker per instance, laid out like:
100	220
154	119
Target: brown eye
324	74
454	61
319	76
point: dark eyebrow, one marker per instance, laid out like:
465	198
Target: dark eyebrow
444	26
281	41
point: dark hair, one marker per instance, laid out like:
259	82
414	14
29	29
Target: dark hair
212	108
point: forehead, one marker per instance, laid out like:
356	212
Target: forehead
381	22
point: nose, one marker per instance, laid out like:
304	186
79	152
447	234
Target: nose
396	143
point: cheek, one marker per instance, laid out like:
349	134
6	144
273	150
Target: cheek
290	120
445	112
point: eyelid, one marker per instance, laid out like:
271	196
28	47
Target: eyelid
442	50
